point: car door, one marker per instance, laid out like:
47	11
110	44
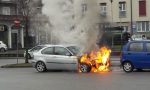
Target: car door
136	54
49	57
64	59
147	55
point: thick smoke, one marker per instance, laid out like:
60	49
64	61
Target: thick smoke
70	25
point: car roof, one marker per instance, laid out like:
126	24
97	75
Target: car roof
59	45
140	41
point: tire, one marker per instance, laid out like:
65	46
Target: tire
128	67
2	49
85	68
40	66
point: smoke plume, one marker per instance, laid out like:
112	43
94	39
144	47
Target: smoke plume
70	25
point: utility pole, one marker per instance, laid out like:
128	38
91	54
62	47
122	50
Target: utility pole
27	44
131	18
111	1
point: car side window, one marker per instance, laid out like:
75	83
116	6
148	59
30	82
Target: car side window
49	51
137	47
61	51
148	47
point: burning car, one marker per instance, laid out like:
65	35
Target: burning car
96	61
65	57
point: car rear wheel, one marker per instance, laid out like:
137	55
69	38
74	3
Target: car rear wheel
40	66
128	67
84	67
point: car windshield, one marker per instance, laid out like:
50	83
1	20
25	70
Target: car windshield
36	48
74	49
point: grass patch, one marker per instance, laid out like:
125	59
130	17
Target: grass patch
19	65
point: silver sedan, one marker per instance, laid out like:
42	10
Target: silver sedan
56	57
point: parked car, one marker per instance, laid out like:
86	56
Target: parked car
3	46
136	55
33	50
56	57
138	37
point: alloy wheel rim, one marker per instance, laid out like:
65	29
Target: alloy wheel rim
127	66
40	66
83	68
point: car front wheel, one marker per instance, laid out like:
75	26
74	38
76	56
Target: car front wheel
40	66
128	67
84	67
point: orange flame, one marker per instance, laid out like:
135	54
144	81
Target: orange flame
98	60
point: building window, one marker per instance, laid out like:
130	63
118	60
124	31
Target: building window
84	9
103	9
122	9
6	10
142	7
143	26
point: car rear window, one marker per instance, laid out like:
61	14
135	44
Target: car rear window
37	48
137	47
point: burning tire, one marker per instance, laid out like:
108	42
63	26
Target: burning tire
84	67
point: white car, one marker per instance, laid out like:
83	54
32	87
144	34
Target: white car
3	47
33	50
138	37
56	57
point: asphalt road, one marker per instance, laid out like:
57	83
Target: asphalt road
30	79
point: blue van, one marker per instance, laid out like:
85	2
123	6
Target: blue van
136	55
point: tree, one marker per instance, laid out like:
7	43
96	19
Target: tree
33	19
26	9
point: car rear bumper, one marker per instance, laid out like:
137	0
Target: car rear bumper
33	62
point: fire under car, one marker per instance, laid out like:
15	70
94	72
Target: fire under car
69	57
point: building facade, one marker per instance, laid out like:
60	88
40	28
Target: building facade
8	14
132	15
